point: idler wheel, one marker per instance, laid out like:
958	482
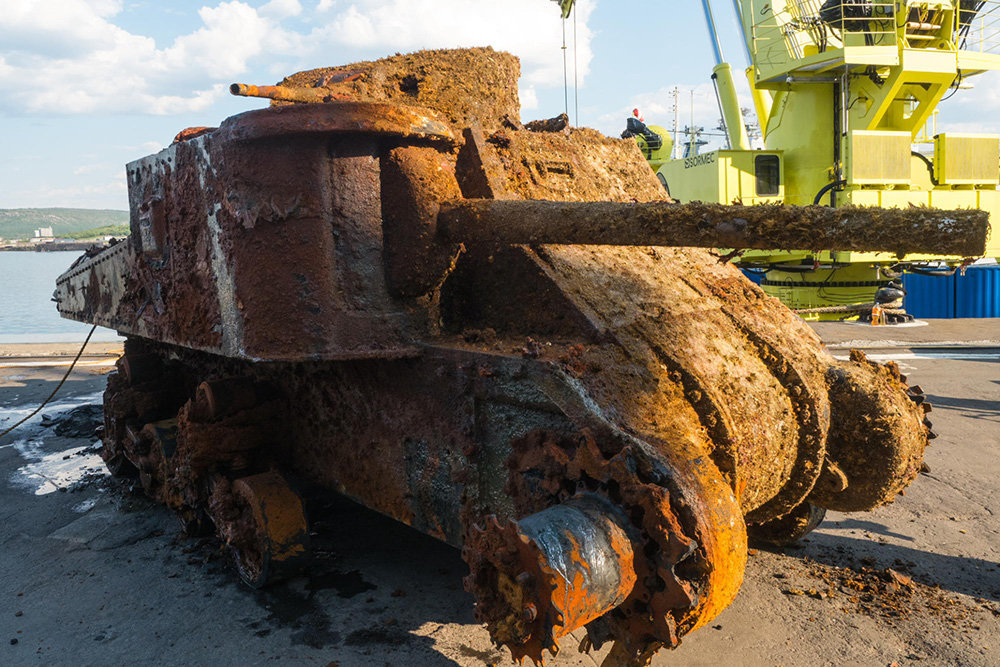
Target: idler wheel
263	523
878	432
554	571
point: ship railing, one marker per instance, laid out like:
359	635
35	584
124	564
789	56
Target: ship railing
978	26
804	28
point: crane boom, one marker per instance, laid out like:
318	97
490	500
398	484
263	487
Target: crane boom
725	88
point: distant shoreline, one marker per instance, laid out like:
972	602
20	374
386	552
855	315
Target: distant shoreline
35	350
71	246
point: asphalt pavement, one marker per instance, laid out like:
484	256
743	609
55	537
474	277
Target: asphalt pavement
91	573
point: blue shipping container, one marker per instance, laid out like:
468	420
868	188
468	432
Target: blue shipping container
977	293
929	297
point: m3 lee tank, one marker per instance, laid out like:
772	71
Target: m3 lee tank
384	285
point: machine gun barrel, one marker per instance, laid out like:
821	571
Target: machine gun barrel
960	232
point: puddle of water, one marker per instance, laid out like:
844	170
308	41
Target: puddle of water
45	471
13	413
50	472
85	506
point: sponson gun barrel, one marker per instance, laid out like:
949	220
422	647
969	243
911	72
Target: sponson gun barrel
913	230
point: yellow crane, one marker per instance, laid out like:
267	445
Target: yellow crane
843	91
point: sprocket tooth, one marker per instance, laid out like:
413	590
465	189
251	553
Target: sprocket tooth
656	522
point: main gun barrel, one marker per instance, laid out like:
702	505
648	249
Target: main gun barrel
962	232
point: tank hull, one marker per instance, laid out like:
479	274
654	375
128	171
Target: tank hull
597	427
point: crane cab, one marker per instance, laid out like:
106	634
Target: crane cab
726	176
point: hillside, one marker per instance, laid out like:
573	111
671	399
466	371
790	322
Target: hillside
118	231
21	223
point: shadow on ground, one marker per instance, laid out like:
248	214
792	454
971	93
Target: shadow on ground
975	577
973	408
356	595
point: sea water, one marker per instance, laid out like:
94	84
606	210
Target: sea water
27	312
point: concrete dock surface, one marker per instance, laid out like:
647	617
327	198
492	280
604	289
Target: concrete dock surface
91	573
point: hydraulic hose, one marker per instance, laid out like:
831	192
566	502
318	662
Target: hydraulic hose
826	188
930	165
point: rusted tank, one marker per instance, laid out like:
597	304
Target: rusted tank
348	295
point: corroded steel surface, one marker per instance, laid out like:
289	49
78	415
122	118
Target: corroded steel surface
230	224
765	227
476	86
346	117
263	522
608	420
551	572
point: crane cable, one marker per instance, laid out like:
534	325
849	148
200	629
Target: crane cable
58	386
565	70
576	80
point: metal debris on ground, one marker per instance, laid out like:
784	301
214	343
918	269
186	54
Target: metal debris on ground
886	594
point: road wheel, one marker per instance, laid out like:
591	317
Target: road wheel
263	523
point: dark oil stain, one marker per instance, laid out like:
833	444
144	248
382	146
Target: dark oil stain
316	635
287	609
488	657
303	614
347	584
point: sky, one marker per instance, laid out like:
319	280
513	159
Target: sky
89	85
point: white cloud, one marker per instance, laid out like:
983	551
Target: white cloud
105	7
90	169
529	98
530	29
96	194
69	56
233	33
281	9
975	108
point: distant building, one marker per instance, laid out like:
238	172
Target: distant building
43	234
